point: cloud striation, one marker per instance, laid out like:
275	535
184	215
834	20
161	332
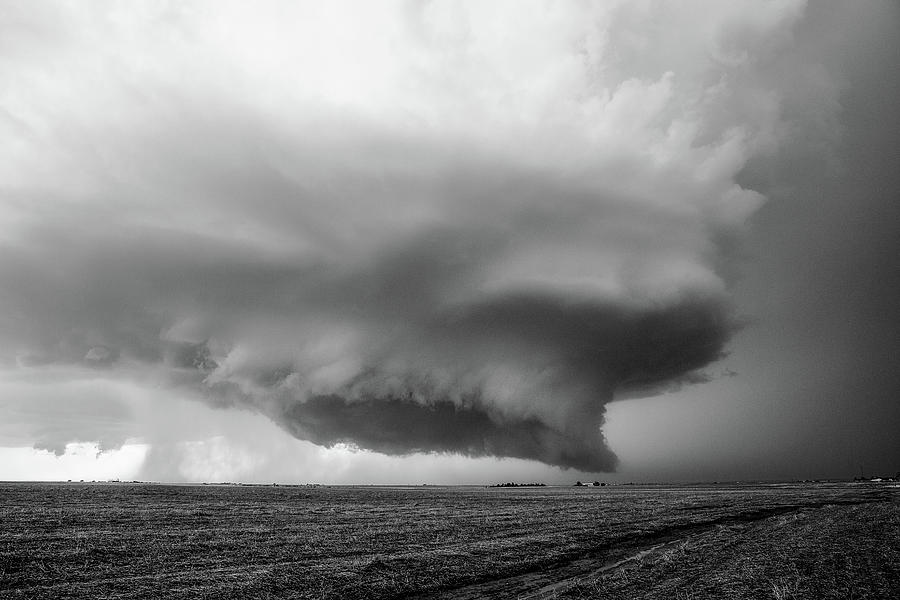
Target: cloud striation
454	227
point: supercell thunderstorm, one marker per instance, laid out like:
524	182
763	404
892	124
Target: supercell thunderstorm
428	231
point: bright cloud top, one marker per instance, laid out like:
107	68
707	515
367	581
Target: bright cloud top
454	227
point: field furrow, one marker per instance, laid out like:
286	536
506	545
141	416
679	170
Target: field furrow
140	541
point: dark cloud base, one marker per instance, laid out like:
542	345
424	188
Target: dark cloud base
403	426
593	353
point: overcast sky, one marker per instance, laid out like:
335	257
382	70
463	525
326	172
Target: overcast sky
449	242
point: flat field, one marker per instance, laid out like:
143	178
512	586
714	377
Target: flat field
222	541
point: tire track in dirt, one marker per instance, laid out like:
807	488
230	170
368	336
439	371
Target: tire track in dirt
548	582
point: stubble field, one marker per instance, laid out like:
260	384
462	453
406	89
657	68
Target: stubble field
717	541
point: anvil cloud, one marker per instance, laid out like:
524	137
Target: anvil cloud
457	227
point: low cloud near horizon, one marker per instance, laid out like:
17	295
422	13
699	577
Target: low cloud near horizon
406	227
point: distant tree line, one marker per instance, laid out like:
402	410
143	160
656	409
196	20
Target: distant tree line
510	484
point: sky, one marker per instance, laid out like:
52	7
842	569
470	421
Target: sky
449	242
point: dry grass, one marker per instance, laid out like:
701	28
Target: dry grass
151	541
832	552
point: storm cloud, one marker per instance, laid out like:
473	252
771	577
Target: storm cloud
407	227
518	376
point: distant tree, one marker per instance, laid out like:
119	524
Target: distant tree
597	483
